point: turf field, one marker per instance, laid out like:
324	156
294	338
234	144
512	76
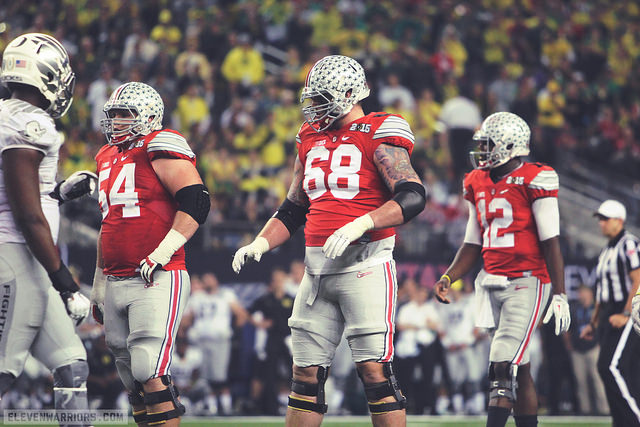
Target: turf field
348	421
412	421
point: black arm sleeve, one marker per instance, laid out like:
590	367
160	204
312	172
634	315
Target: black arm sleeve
411	197
291	215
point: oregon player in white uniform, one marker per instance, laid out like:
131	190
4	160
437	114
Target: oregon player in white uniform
36	317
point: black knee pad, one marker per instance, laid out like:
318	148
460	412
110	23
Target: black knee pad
377	391
499	386
169	394
310	389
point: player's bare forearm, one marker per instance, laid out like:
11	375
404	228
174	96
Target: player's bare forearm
387	215
184	224
275	232
466	257
555	263
22	182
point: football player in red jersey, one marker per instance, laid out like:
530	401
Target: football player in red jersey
152	201
352	183
514	225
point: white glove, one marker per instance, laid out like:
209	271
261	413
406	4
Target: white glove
77	185
161	256
253	250
342	237
560	309
77	306
97	295
635	313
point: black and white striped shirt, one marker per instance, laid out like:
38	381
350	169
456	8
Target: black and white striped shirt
616	260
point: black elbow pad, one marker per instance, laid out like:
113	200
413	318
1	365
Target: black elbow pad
411	196
291	215
194	201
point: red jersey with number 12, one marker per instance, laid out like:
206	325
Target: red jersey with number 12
137	211
510	243
340	177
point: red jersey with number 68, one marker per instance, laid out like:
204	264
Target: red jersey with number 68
340	177
510	243
137	211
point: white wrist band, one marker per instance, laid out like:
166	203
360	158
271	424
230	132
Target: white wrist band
262	244
173	241
365	222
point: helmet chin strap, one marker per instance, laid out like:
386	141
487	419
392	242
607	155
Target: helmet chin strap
506	168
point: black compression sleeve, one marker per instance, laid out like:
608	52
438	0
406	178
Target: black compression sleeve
291	215
411	196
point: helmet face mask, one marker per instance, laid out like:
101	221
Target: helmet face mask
502	137
133	110
333	86
40	61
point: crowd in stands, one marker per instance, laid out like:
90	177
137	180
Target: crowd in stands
230	73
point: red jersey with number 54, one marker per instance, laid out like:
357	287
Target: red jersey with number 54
137	211
510	243
340	177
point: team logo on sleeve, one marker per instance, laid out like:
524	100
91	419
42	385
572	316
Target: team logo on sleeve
33	131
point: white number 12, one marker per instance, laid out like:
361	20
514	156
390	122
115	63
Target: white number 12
491	239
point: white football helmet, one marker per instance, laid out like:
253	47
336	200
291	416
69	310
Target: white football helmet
145	108
41	61
334	85
501	137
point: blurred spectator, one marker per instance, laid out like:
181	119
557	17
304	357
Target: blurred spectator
192	116
584	356
551	103
243	65
191	64
165	33
272	368
418	325
461	117
139	50
98	93
103	383
458	338
393	92
502	91
211	312
186	375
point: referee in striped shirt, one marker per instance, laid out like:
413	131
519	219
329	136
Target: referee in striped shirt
617	279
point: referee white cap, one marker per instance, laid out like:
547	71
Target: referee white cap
612	209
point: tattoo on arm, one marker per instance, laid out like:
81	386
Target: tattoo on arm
296	193
394	165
